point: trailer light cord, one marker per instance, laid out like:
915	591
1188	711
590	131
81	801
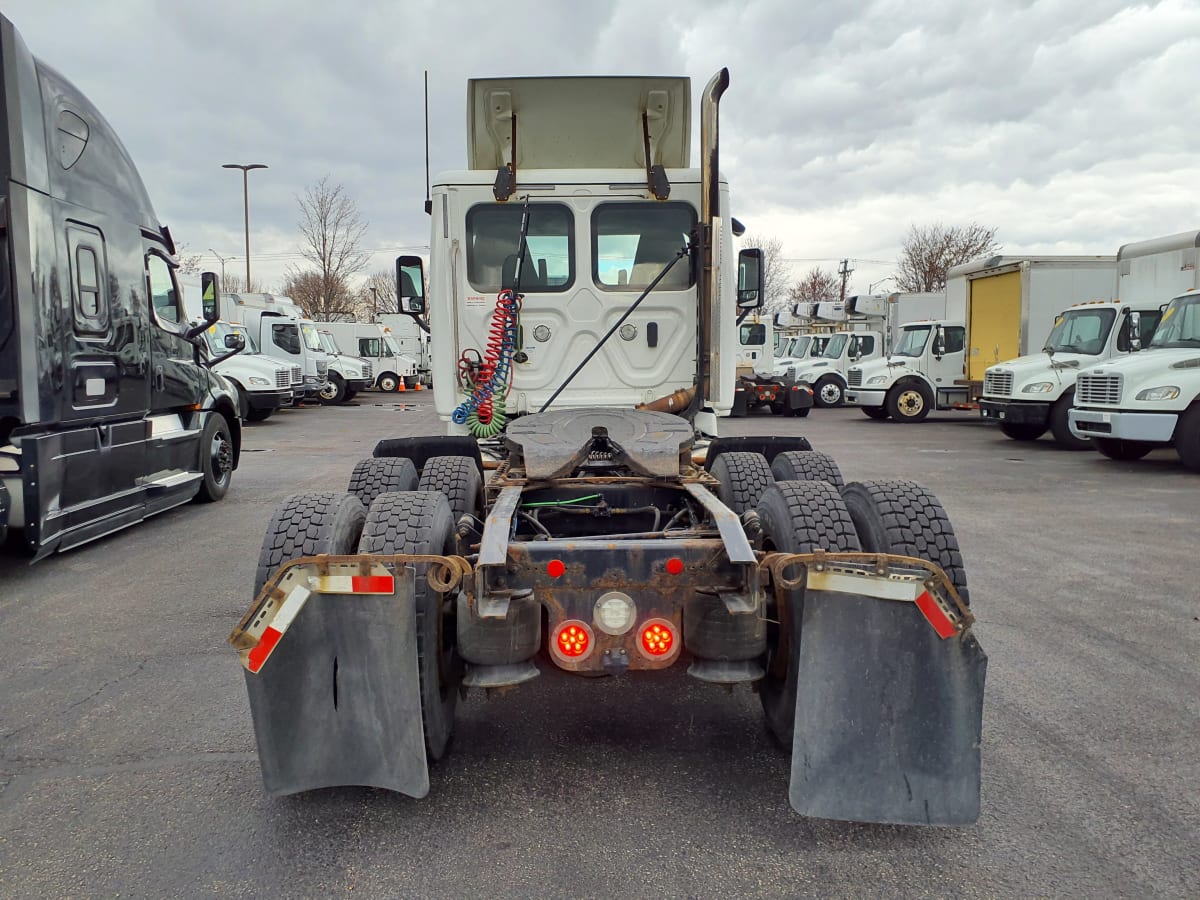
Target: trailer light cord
560	502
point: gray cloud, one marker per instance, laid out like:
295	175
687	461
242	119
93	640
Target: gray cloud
1066	124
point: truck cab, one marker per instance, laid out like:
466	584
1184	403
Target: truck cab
600	197
391	369
1033	393
262	385
1130	406
277	326
923	372
108	413
827	372
347	374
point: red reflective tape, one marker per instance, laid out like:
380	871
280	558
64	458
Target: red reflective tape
936	615
372	584
266	643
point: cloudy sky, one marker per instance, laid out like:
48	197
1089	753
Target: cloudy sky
1070	125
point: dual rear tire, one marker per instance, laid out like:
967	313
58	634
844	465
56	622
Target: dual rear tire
810	508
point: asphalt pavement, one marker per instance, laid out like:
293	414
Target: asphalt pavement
128	765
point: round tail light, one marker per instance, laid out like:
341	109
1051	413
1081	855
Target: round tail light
572	640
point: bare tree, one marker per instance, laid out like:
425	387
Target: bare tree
332	232
775	287
817	286
189	263
929	251
324	299
377	295
233	284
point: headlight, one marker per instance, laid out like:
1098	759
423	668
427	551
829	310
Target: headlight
311	379
1038	387
878	379
254	379
1167	392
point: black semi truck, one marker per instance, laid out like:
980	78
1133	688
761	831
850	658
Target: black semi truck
108	411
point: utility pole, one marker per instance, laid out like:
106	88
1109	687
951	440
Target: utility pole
844	270
374	303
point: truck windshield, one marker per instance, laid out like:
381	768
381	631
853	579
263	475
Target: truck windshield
799	346
391	344
753	335
312	340
1081	330
1180	324
818	346
328	344
215	338
912	341
837	343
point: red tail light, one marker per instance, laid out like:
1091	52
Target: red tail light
573	640
658	638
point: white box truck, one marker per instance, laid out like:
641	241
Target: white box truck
1129	406
1000	305
393	370
412	340
275	323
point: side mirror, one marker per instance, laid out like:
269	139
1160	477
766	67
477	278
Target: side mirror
410	284
235	342
210	293
939	343
1135	331
750	279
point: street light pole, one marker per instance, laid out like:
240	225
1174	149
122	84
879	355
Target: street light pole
246	205
222	259
374	303
877	283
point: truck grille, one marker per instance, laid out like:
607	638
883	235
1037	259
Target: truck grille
322	369
282	378
1099	390
997	384
297	375
367	371
854	378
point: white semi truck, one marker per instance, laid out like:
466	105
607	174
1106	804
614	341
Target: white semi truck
599	545
348	374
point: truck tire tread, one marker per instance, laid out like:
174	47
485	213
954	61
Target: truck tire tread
374	476
904	517
420	522
743	477
458	478
797	517
308	524
806	465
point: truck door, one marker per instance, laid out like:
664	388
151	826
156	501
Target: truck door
995	322
176	382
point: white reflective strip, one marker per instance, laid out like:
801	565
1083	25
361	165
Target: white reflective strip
291	606
868	586
333	584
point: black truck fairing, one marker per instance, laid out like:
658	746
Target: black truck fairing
103	405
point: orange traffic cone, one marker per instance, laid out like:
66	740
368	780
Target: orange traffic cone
400	387
417	386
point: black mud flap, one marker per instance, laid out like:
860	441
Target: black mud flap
889	716
338	702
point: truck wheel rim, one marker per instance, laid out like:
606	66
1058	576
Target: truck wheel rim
911	403
387	384
830	393
329	391
222	458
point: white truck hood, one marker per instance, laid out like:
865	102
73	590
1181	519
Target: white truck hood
252	364
1178	367
1038	367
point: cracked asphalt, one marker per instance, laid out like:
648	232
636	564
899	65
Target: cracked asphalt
128	766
